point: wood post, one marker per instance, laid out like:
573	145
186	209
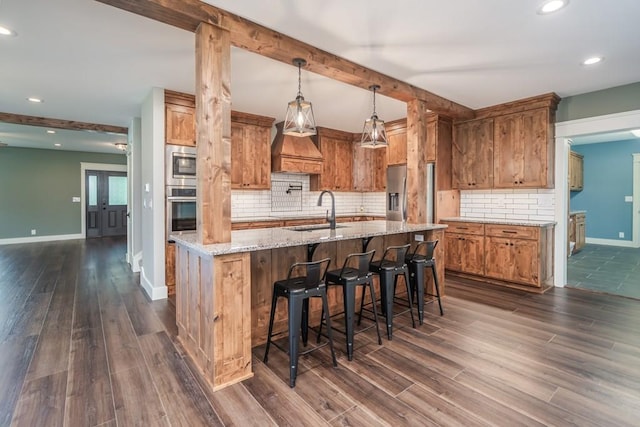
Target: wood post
213	134
416	162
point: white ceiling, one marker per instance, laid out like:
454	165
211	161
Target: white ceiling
94	63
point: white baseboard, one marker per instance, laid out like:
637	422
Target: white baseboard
611	242
136	261
153	292
36	239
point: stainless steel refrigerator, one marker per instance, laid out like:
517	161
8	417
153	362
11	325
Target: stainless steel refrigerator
397	192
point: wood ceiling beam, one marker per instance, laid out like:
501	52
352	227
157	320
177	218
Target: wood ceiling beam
60	124
245	34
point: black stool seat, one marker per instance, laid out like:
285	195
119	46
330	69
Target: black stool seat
354	272
389	268
304	280
422	258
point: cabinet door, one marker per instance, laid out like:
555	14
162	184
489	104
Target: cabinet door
250	156
473	254
256	157
521	150
472	155
237	155
580	232
526	261
498	261
397	148
343	165
180	125
453	251
369	168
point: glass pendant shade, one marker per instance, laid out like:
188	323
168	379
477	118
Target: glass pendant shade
299	120
373	133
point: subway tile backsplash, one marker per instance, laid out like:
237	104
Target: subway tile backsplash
248	204
530	204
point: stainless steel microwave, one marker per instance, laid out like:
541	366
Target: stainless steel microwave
180	165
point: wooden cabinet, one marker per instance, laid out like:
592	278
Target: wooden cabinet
472	155
515	254
510	255
180	119
397	142
523	150
507	146
170	267
337	161
464	247
576	171
577	231
250	151
369	168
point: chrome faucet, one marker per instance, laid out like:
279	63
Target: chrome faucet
330	218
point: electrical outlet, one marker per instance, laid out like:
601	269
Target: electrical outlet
33	232
419	237
621	235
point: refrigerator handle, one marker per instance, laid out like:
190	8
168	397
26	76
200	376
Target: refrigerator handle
404	199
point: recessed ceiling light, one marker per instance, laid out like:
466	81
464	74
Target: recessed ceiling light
35	100
636	132
593	60
58	145
4	31
51	131
551	6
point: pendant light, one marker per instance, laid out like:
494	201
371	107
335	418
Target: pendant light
299	120
373	133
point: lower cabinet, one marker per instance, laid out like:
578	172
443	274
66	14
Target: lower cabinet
577	231
512	255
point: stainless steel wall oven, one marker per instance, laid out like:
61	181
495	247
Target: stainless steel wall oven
181	210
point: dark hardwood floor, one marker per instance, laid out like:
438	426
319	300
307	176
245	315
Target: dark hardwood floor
82	346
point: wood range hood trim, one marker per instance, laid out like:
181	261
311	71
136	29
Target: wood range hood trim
295	154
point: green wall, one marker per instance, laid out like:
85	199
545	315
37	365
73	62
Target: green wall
599	103
36	190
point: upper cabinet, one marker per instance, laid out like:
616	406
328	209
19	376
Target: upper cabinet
337	161
397	139
250	151
369	168
472	155
507	146
576	171
180	119
523	150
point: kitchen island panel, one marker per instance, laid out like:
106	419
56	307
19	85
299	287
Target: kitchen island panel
214	315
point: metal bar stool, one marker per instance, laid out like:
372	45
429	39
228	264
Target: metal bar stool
354	272
304	280
389	268
421	258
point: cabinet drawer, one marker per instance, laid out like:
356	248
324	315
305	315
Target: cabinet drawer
465	227
519	231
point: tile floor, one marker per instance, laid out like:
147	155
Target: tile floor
607	269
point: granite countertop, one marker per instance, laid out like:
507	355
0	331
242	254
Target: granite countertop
302	217
502	221
278	237
577	212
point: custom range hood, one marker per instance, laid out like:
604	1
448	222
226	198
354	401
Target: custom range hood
294	154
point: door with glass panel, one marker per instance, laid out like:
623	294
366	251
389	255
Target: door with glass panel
106	201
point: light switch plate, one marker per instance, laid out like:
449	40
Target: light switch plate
628	199
75	199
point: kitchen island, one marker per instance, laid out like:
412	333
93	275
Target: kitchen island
223	291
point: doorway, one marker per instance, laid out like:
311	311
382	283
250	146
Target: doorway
631	257
105	203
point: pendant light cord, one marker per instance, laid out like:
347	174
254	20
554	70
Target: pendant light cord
299	81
